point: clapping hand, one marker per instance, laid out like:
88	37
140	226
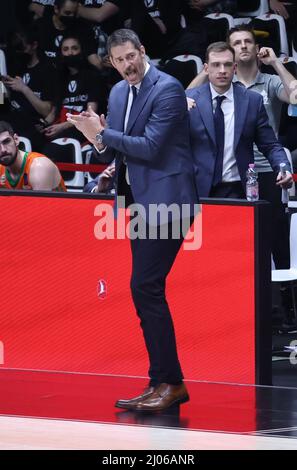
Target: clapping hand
88	123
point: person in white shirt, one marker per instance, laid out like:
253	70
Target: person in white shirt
225	123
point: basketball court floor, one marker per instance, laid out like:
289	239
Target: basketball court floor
49	410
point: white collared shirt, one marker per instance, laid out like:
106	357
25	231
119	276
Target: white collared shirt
230	169
129	104
130	97
127	115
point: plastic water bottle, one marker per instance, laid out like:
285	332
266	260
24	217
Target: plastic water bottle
252	185
285	194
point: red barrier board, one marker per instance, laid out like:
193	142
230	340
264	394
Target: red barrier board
66	304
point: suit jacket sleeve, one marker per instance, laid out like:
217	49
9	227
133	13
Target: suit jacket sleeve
168	108
89	186
267	141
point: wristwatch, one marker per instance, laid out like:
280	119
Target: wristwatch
99	137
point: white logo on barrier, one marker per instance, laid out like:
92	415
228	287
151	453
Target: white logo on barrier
101	289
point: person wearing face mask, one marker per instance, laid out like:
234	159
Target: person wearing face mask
79	86
30	85
63	21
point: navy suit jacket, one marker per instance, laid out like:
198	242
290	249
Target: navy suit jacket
156	142
90	185
250	125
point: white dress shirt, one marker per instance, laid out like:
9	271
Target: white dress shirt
230	170
127	115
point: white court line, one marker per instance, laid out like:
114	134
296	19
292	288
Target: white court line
41	434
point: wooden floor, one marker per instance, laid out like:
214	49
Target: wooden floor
44	434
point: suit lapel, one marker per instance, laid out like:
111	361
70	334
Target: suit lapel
146	89
241	102
204	105
121	100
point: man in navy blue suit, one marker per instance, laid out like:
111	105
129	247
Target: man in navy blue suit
226	120
147	132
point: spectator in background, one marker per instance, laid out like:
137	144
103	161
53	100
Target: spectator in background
23	170
197	34
106	13
52	28
79	86
205	7
157	22
37	7
31	86
8	20
104	16
194	10
288	10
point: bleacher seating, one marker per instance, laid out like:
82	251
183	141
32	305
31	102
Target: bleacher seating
252	7
73	182
276	27
25	144
184	68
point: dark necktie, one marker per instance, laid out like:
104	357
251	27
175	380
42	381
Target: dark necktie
134	93
220	140
129	108
128	112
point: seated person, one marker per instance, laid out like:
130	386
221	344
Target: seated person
194	10
31	86
103	183
79	86
37	7
198	34
23	170
157	22
61	22
104	16
288	10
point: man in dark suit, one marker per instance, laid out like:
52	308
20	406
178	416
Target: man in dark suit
226	121
148	134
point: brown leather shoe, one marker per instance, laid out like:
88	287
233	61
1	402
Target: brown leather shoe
130	404
164	396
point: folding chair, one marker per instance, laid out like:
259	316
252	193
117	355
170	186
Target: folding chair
252	7
184	68
276	27
76	182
